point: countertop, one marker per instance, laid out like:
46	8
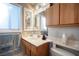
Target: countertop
35	41
72	44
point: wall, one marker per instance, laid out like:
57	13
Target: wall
58	31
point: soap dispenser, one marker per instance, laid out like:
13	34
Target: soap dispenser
43	37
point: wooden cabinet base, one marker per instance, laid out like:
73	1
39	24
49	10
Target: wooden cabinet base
31	50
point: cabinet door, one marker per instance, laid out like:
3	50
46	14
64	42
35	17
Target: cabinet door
68	13
52	15
43	50
34	51
77	20
23	46
28	51
28	48
55	14
48	17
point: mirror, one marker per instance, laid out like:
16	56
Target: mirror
31	21
27	20
34	22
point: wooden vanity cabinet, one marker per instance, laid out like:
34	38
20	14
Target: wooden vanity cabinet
32	50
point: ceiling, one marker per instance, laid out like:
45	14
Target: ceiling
33	5
28	5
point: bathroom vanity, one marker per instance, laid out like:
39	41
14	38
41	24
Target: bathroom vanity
35	47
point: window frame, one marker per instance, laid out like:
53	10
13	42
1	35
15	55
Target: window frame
14	30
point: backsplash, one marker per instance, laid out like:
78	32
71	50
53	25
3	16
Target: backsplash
69	31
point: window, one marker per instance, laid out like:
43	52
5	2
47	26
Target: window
43	23
10	17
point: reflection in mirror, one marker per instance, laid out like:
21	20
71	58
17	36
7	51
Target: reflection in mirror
35	21
43	27
27	19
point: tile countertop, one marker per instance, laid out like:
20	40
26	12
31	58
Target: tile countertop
36	41
72	44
